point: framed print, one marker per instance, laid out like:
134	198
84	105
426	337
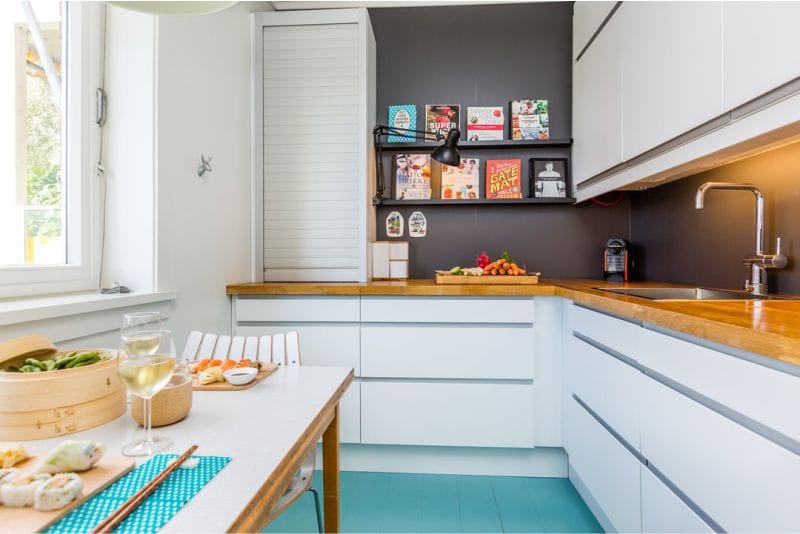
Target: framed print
549	177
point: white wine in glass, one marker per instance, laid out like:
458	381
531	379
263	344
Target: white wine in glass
145	368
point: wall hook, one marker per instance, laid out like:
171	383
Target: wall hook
205	166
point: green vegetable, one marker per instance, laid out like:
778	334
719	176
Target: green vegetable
456	270
30	369
85	357
62	362
36	363
49	364
506	256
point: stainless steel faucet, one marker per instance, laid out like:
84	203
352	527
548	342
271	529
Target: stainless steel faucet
758	262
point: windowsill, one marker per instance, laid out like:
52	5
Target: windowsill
17	311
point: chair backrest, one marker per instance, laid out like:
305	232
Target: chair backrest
282	349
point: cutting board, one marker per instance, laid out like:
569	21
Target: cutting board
444	277
107	471
266	370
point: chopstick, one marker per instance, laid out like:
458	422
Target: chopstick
117	516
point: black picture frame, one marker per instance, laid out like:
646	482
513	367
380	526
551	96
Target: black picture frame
559	171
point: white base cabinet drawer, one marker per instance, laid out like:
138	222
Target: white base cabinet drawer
334	345
767	395
447	351
617	334
350	414
663	511
608	386
743	481
607	469
297	309
447	414
447	310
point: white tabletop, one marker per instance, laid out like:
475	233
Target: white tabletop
256	427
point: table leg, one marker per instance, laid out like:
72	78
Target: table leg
330	473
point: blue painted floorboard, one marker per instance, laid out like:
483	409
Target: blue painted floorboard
401	502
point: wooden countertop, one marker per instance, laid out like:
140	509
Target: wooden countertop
767	327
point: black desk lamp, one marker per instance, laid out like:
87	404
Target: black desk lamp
446	153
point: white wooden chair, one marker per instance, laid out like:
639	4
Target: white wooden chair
283	350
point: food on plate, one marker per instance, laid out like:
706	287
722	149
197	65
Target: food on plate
504	266
211	375
71	360
72	456
246	362
200	365
466	271
6	477
228	364
57	492
21	491
11	454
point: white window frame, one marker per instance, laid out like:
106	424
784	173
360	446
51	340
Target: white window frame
80	144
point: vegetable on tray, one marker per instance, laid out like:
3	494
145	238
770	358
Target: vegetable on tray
70	361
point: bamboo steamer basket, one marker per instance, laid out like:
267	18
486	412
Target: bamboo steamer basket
56	403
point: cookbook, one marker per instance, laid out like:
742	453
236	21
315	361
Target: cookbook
503	178
412	174
442	118
485	123
530	119
462	182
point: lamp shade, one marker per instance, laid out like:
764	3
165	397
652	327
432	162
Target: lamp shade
448	152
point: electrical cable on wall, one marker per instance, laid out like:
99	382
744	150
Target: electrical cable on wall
609	203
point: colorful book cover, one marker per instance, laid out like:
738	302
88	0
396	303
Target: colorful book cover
530	119
412	176
462	182
442	118
402	116
504	178
485	124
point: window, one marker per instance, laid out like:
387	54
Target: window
49	69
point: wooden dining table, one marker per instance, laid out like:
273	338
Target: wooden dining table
267	430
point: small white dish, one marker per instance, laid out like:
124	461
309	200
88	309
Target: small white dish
240	376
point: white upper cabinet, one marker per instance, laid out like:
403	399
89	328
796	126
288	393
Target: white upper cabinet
313	88
672	70
762	48
587	18
597	103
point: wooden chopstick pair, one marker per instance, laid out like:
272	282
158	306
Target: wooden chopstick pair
117	516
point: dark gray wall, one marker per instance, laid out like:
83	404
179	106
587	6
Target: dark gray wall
483	56
705	247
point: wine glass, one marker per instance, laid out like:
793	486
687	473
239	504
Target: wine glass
134	323
146	364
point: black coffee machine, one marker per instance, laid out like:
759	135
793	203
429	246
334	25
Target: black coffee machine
618	260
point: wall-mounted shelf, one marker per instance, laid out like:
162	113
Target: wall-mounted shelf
476	202
506	143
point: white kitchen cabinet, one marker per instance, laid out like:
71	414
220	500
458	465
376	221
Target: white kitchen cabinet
741	480
297	308
311	174
505	310
597	104
606	468
672	65
586	20
447	351
607	386
447	413
663	511
761	48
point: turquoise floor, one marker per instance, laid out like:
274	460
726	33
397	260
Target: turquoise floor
395	502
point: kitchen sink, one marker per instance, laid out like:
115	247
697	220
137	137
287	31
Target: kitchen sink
683	293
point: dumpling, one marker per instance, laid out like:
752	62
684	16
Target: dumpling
11	454
72	456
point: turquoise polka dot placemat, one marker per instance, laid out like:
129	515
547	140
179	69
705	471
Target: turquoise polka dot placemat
157	509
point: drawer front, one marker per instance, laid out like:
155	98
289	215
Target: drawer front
447	414
321	344
614	333
447	310
663	511
350	414
742	481
608	386
607	469
766	395
297	309
447	351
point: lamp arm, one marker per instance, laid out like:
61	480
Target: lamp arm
382	130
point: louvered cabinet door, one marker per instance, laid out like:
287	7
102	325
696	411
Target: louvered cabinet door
314	132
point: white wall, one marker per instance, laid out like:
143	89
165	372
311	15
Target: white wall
203	107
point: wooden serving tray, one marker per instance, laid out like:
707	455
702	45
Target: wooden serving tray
107	471
266	370
444	277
